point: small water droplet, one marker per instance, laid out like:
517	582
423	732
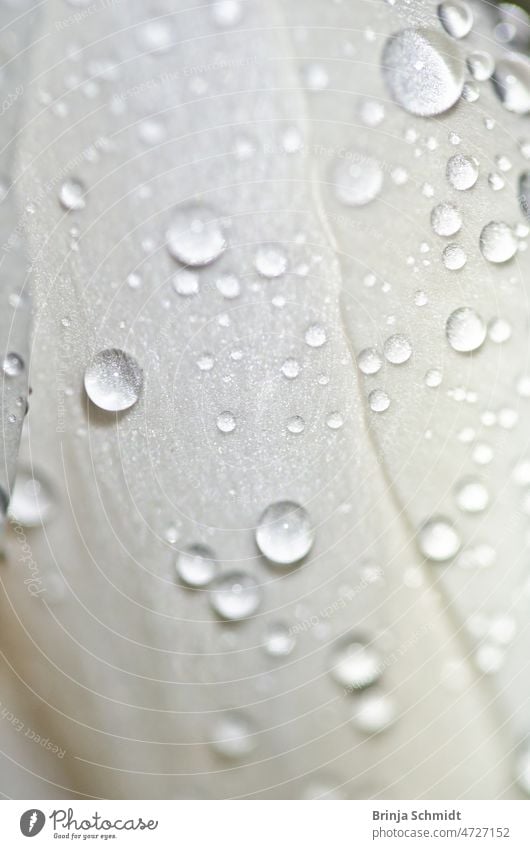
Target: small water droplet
226	422
397	349
335	421
357	180
355	664
270	261
456	18
284	534
72	195
423	71
433	378
511	81
316	77
372	712
279	642
205	362
462	171
315	336
379	401
296	424
465	330
290	368
228	286
227	13
195	235
235	596
480	65
196	565
498	242
446	219
369	361
113	380
471	495
438	539
454	257
186	282
13	365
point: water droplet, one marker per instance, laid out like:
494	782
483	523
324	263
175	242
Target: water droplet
72	195
373	711
205	362
186	282
369	361
462	171
454	257
226	422
499	330
397	349
471	495
357	180
235	596
465	330
456	18
438	539
196	565
495	181
113	380
423	71
379	401
296	424
284	534
315	336
355	664
134	281
371	113
498	242
228	286
271	261
335	421
279	642
446	219
480	65
227	13
316	77
32	501
154	36
511	81
13	365
195	236
290	368
433	378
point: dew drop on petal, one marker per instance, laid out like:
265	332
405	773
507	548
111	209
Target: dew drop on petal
498	242
373	711
186	282
270	261
397	349
438	539
315	336
511	81
471	495
355	664
195	235
357	180
13	365
290	368
235	596
226	422
228	286
456	18
369	361
423	71
233	737
335	421
296	424
462	171
454	257
72	195
279	642
446	219
480	65
285	534
196	565
113	380
465	330
379	401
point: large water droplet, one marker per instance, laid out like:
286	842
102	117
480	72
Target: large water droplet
357	180
438	539
113	380
235	596
379	401
355	664
284	534
454	257
511	81
72	195
456	18
498	242
462	171
423	71
233	736
196	235
369	361
196	565
13	365
465	330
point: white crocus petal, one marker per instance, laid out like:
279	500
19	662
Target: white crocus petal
190	444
